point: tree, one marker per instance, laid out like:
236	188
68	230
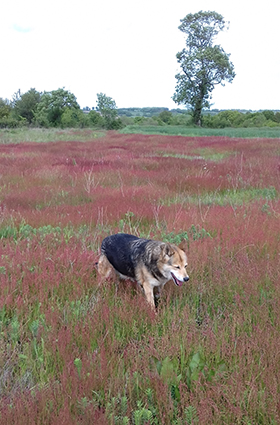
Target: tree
166	117
6	118
108	110
95	119
52	105
269	115
277	117
5	108
202	65
25	105
73	117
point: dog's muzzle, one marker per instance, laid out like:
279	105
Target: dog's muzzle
179	282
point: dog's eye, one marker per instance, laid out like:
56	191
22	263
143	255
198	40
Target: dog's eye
177	267
186	266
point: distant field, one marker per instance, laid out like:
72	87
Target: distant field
265	132
43	135
75	352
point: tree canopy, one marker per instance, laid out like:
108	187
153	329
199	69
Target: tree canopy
108	110
25	104
202	65
52	106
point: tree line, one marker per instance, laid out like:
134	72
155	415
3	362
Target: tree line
59	108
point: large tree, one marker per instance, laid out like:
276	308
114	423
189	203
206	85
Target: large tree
25	104
108	110
203	65
52	105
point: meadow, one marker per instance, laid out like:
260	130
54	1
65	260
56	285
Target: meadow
182	130
74	350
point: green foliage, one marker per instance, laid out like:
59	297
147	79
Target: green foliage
26	104
10	122
144	112
78	365
5	108
72	118
238	119
24	231
173	371
166	117
95	119
269	115
277	117
202	65
6	118
108	109
142	415
194	233
52	105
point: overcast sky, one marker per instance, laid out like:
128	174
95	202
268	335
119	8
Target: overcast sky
127	49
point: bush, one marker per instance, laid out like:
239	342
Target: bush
26	104
9	122
238	119
115	124
94	119
73	118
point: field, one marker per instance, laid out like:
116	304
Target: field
76	352
250	132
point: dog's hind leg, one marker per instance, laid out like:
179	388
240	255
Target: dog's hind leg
104	267
157	294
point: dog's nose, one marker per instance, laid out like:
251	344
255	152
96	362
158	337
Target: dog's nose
186	278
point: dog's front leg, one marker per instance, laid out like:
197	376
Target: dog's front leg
149	294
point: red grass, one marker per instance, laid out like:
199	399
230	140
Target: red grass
52	311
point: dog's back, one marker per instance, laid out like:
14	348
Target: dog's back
118	250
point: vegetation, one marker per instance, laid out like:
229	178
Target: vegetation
108	110
202	65
53	106
59	109
77	350
179	130
25	105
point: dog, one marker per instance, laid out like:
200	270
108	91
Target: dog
150	263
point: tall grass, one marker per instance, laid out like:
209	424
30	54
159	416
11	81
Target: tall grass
74	349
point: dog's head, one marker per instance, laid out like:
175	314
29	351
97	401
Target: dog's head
173	264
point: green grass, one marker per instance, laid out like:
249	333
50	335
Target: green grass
206	154
262	132
42	135
233	197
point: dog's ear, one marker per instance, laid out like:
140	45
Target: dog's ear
183	245
167	250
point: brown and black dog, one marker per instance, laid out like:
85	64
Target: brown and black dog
151	263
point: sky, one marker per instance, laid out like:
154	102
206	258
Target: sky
127	50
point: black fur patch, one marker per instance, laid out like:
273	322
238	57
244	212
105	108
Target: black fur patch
124	251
